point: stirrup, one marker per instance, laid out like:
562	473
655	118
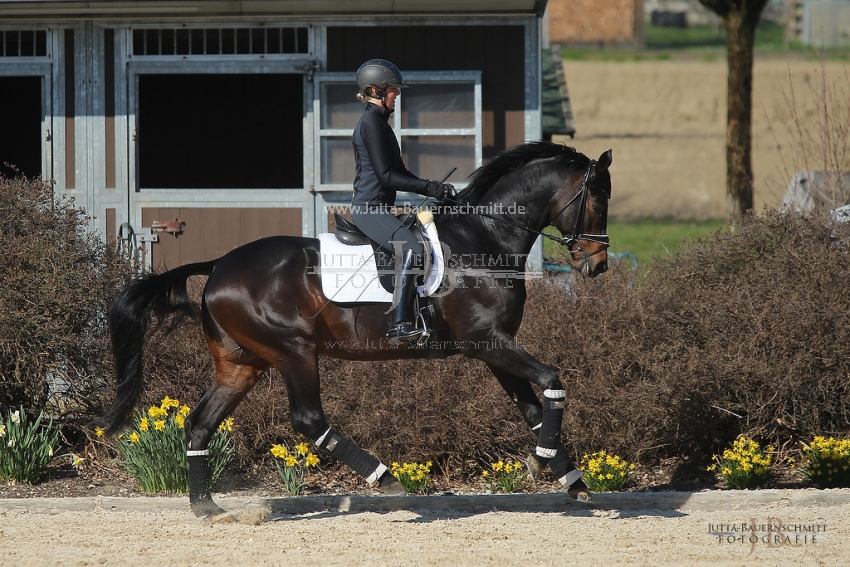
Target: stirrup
403	332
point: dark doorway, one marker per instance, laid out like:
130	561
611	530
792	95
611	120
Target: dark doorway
20	125
230	131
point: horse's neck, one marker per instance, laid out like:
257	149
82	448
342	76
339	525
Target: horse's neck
510	224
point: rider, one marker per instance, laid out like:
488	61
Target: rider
380	172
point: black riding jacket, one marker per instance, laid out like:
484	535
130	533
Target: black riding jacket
380	172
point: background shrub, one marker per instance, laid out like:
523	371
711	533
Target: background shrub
57	280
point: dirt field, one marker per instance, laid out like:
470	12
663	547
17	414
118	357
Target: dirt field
666	122
806	528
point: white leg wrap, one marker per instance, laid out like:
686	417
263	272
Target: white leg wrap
545	453
555	394
203	453
322	438
538	426
568	479
379	472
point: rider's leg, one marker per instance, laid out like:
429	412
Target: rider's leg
387	230
402	328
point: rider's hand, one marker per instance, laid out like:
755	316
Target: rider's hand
439	190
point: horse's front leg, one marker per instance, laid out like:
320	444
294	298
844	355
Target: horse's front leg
516	369
529	405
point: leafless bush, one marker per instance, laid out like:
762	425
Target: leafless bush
57	280
741	331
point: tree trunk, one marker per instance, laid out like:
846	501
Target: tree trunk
740	36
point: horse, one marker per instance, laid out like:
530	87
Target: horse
263	307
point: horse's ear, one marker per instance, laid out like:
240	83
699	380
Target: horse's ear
605	159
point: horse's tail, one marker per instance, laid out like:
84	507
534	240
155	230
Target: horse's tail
129	315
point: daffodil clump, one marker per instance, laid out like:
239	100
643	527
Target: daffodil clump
504	477
827	462
292	466
745	465
604	472
153	451
414	477
26	448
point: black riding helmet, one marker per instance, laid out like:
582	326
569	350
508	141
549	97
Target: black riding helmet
380	73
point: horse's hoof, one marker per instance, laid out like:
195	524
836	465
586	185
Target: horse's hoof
390	486
579	492
534	467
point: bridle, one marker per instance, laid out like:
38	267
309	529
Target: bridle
577	235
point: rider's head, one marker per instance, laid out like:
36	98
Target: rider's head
379	80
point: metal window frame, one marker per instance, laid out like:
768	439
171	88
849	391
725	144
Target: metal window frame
411	78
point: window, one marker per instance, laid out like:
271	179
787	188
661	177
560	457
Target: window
437	120
220	41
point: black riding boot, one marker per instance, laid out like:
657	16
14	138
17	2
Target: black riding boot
401	327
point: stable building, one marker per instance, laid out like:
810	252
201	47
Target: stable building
188	128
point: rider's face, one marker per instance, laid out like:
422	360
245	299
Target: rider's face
392	93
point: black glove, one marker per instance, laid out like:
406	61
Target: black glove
441	191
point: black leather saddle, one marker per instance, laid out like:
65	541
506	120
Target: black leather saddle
348	233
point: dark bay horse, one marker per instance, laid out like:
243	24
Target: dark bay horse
263	307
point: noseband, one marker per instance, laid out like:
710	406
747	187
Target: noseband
577	234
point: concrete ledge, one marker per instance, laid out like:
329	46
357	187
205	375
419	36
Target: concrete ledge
462	504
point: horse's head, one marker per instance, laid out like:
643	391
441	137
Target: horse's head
580	212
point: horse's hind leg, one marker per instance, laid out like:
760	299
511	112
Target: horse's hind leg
561	465
301	373
233	380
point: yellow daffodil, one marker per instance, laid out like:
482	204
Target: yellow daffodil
156	412
134	437
143	424
184	410
159	424
226	425
302	449
279	451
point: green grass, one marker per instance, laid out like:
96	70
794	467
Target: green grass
644	239
701	43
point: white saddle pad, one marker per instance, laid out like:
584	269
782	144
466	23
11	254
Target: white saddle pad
350	274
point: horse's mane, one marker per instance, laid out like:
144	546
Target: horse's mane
485	177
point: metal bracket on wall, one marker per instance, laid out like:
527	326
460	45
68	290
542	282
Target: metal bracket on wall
174	227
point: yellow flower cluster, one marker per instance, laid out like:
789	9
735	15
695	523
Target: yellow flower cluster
414	477
827	461
744	465
605	472
504	476
292	459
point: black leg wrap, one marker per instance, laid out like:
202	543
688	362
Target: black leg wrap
346	451
561	463
200	498
549	436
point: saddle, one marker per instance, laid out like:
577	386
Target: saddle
349	259
348	233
